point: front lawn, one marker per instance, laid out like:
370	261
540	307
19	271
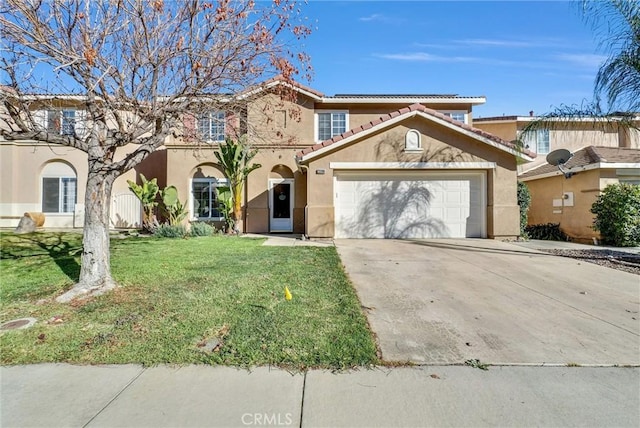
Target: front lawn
179	298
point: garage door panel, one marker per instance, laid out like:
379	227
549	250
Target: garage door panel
404	206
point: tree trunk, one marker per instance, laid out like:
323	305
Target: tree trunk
95	272
237	207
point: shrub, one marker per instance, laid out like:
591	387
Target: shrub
169	231
617	212
547	232
201	228
175	210
524	200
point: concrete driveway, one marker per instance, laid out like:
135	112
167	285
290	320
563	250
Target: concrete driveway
447	301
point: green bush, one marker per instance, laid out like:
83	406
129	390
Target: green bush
169	231
201	228
547	232
524	201
617	212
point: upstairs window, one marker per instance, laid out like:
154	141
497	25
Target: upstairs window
68	122
331	124
537	141
211	126
460	116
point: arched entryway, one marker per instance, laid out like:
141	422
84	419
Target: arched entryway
281	199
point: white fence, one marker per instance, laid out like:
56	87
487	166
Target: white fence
126	211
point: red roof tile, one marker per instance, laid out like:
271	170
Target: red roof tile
405	110
280	78
587	156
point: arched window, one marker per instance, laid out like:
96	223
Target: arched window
204	193
412	140
59	188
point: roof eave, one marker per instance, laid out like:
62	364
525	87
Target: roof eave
402	100
588	167
332	146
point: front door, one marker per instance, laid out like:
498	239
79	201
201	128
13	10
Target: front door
281	205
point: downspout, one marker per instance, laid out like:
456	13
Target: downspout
304	169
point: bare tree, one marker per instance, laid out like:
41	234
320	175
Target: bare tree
138	66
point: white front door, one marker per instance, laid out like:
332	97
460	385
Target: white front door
281	205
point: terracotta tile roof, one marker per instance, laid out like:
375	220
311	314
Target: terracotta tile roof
412	108
588	156
280	78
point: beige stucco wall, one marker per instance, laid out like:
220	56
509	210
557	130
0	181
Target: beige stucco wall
440	144
575	221
277	163
21	181
276	122
570	136
507	130
362	114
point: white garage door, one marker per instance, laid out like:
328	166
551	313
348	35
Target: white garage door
410	205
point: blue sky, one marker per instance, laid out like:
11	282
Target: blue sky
521	55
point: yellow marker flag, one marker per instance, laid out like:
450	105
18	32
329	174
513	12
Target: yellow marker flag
287	293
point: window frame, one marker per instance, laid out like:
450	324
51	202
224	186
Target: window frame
68	123
532	140
62	188
218	182
213	119
540	133
61	122
450	113
316	131
406	140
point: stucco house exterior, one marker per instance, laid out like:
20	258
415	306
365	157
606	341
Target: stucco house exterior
571	134
568	201
375	166
604	152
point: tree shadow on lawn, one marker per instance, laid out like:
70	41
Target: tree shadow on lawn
56	245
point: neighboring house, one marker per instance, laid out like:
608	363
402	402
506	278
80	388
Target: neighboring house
604	152
379	166
570	134
568	201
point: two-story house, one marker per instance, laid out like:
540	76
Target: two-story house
378	166
603	152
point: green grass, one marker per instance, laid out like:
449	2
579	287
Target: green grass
177	293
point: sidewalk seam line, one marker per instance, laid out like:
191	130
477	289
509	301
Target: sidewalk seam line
304	387
115	397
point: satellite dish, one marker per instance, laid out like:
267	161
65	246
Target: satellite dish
559	158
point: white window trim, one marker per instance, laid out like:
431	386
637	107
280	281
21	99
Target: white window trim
41	117
448	112
531	140
219	183
316	121
224	126
418	149
60	196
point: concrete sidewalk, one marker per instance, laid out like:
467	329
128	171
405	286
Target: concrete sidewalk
55	395
289	240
